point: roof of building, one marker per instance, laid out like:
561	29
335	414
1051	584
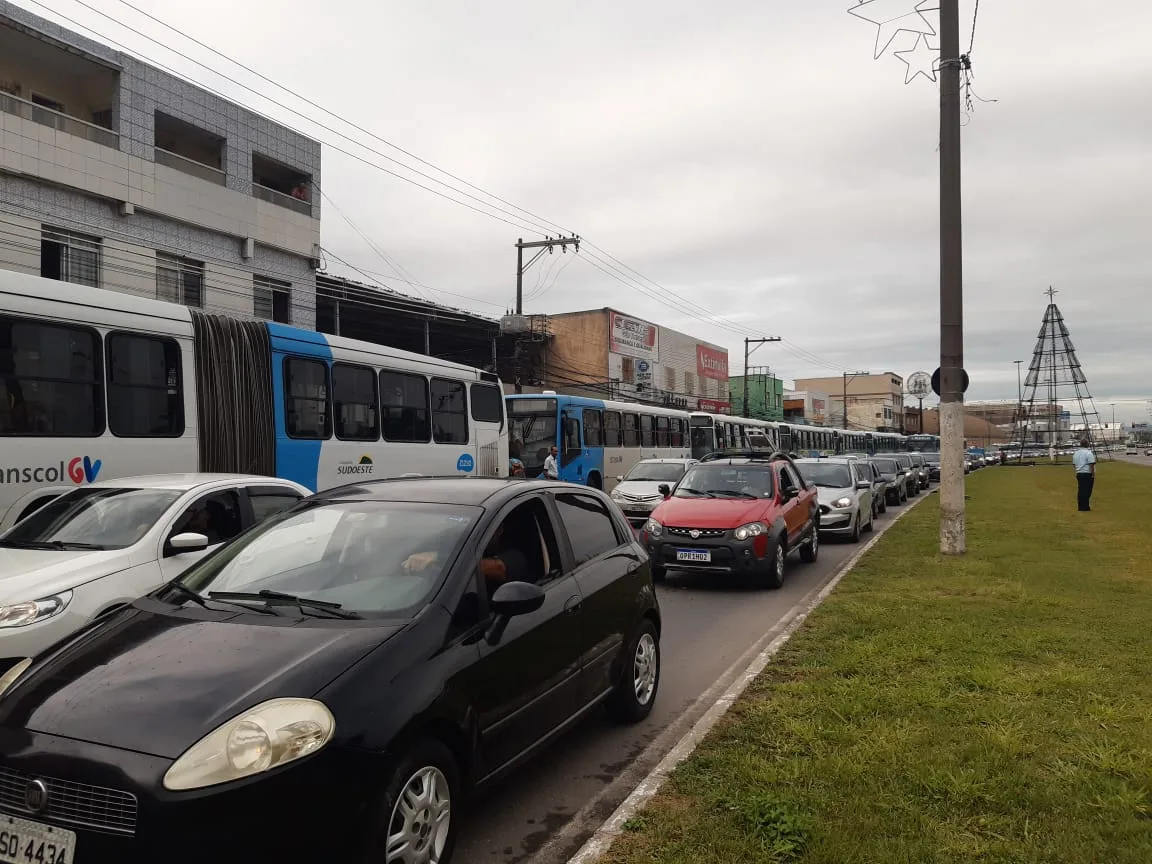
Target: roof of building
384	297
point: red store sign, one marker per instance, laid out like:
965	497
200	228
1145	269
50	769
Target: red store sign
711	363
714	407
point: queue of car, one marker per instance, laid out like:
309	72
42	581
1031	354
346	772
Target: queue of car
181	651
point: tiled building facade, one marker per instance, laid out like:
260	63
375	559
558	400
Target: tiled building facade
117	174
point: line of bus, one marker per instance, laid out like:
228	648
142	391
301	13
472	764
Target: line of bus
99	384
599	440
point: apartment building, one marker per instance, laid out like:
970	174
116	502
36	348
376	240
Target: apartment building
116	174
873	401
608	354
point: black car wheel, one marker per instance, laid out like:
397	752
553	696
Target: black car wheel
884	503
777	552
634	696
810	548
418	802
855	535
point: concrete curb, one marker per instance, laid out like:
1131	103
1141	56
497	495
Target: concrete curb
600	842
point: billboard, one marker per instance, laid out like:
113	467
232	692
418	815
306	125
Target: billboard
711	363
634	338
818	406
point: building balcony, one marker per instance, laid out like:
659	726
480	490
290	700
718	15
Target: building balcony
191	166
272	196
61	122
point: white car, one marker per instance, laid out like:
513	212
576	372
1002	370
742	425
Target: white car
638	492
104	545
845	492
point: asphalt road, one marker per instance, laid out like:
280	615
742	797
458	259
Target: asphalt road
543	812
1138	460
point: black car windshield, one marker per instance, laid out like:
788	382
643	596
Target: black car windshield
94	517
724	480
886	466
830	475
655	472
382	559
903	461
932	458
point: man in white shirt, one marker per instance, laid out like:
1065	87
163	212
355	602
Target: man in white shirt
551	471
1084	460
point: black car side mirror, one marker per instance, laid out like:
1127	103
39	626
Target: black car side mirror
665	490
512	599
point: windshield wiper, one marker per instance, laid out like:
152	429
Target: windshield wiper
733	494
695	492
188	594
53	545
305	604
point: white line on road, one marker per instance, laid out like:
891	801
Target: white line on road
599	843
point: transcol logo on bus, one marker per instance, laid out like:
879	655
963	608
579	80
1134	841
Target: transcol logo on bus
80	469
364	466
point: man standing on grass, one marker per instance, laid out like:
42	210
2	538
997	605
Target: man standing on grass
1084	461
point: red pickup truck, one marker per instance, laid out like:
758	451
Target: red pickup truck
738	513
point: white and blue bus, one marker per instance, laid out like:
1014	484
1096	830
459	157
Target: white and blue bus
598	440
98	384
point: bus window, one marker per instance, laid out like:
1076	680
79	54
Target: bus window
449	412
404	407
50	380
571	431
662	432
593	431
145	396
487	403
677	436
647	433
306	399
631	430
613	436
354	397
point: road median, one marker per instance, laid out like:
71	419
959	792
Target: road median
990	708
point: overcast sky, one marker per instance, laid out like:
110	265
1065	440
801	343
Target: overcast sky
749	155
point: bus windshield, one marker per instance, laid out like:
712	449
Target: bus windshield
531	437
703	441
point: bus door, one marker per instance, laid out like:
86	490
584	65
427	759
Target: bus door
785	438
574	456
703	437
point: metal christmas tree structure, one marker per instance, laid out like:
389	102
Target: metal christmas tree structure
1056	410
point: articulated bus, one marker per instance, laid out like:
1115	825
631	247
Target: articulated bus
711	432
98	384
598	440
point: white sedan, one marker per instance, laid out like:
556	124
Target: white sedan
105	544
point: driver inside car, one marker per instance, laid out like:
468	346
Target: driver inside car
501	562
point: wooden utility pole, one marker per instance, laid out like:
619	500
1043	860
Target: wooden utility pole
952	383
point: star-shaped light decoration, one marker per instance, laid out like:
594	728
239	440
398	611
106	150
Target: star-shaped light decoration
892	17
920	59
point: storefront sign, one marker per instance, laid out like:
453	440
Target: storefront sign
714	407
711	363
634	338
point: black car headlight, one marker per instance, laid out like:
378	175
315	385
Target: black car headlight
271	734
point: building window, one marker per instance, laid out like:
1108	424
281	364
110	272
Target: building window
404	407
306	399
627	370
669	379
50	380
354	398
180	280
449	412
272	299
145	399
689	384
70	257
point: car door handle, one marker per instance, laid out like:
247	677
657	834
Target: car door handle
572	605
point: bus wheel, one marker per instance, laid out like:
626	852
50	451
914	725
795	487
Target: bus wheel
595	482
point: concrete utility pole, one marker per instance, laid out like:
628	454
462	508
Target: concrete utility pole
849	376
522	268
952	531
747	354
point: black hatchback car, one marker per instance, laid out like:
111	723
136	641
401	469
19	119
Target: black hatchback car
329	685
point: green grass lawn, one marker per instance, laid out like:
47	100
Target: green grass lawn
995	708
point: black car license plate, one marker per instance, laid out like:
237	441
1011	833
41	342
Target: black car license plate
25	842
